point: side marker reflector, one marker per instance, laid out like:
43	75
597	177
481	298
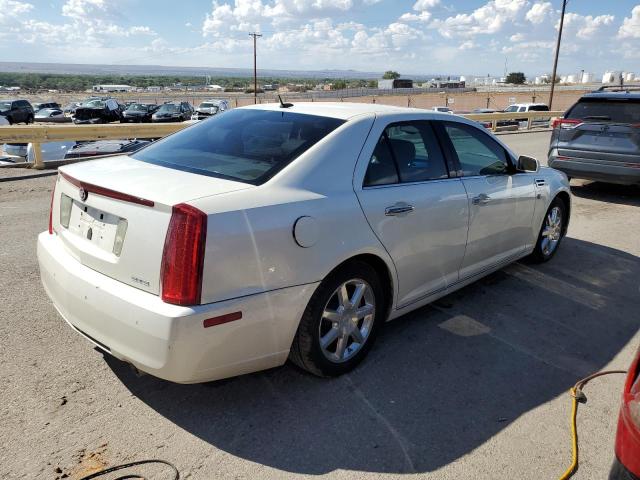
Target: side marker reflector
229	317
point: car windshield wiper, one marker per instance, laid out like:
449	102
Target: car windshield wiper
597	117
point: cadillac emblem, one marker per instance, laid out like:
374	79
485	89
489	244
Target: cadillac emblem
83	194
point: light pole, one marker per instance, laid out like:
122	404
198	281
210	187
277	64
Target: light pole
555	60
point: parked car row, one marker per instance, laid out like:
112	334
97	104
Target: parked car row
95	110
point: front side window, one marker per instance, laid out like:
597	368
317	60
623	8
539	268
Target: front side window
406	152
245	145
478	153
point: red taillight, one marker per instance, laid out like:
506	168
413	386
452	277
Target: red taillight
183	256
53	195
628	436
565	123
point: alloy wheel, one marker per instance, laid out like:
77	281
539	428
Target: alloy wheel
552	231
347	320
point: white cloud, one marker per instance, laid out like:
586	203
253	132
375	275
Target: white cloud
486	20
588	26
630	27
425	4
11	9
539	12
467	45
423	16
517	37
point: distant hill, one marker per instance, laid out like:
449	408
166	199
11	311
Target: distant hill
88	69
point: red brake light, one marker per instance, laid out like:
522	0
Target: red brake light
183	256
53	195
565	123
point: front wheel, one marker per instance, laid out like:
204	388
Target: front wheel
551	233
340	322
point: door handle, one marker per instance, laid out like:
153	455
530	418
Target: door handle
481	199
398	209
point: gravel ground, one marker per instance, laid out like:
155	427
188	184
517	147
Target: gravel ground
471	387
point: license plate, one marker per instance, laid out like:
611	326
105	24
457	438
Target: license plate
94	225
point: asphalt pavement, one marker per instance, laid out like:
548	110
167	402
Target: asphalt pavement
474	386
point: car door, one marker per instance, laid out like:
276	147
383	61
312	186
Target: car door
416	209
501	200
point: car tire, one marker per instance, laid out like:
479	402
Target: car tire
328	347
551	233
30	119
10	120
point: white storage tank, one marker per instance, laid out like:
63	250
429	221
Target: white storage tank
572	79
610	77
588	77
629	76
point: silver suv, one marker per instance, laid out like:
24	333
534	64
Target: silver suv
599	137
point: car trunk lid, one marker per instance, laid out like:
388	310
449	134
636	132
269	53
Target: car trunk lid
113	214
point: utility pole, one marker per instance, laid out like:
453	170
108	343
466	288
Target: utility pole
555	60
255	69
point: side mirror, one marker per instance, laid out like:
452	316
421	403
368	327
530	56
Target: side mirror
527	164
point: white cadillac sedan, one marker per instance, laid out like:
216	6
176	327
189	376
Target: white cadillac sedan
287	232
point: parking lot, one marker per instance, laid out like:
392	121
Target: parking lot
474	386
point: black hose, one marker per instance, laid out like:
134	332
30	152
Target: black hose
176	474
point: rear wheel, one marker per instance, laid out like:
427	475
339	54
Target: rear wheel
29	119
551	233
340	322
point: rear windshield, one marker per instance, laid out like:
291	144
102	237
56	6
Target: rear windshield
138	107
618	111
244	145
168	108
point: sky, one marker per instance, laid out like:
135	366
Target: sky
471	37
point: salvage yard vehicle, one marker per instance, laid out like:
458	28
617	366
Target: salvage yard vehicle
626	465
291	231
50	115
40	105
17	111
210	107
104	147
139	112
173	112
599	137
98	110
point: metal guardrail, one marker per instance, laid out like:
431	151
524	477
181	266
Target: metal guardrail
38	134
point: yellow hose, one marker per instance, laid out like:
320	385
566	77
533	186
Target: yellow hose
577	397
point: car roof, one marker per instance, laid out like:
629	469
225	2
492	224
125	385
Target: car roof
529	104
616	95
345	110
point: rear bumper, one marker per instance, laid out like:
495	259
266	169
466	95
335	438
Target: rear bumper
595	170
169	341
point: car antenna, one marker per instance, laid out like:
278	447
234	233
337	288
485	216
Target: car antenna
284	105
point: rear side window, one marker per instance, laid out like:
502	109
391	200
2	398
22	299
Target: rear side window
538	108
617	111
478	153
245	145
406	152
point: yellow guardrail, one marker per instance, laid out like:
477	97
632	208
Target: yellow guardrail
38	134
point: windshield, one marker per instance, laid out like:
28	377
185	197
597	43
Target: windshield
244	145
598	110
93	104
168	108
138	107
5	106
512	108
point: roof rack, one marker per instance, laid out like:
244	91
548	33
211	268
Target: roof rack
619	88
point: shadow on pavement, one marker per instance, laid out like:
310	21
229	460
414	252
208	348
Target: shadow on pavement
608	192
440	381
